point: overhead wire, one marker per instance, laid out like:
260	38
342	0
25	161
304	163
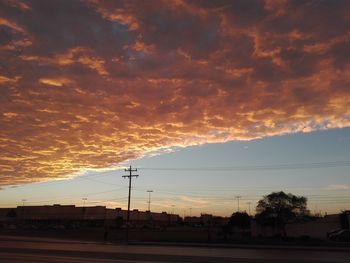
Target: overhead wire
286	166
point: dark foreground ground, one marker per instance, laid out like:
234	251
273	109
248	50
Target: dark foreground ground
169	234
30	249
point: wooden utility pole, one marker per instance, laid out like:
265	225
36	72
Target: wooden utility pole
130	175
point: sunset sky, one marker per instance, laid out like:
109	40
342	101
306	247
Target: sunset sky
209	99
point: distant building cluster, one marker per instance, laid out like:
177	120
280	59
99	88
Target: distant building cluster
96	214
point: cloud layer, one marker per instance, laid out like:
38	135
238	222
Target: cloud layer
89	84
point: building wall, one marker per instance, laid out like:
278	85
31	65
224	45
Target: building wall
71	212
4	213
95	212
65	212
314	229
264	231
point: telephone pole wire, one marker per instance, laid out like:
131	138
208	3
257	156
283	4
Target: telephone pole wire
129	176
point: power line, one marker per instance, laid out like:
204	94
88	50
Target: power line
97	181
250	197
290	166
72	197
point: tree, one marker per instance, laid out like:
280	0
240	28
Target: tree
278	208
240	220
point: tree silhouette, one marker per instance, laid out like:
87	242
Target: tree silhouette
239	219
278	208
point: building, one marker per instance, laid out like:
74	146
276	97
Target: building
316	228
96	214
205	220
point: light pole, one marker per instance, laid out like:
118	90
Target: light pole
23	201
84	199
149	199
238	197
249	203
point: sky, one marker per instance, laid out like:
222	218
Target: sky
259	89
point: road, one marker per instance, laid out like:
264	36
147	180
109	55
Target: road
24	249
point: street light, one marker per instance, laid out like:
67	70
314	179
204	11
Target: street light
238	197
84	199
22	215
249	203
149	199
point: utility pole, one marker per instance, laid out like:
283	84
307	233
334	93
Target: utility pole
130	170
238	197
249	203
149	199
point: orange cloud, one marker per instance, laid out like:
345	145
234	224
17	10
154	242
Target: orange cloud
10	24
7	80
111	11
58	82
120	79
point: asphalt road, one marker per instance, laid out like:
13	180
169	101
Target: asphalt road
24	249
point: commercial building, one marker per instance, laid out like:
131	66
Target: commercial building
316	228
96	214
